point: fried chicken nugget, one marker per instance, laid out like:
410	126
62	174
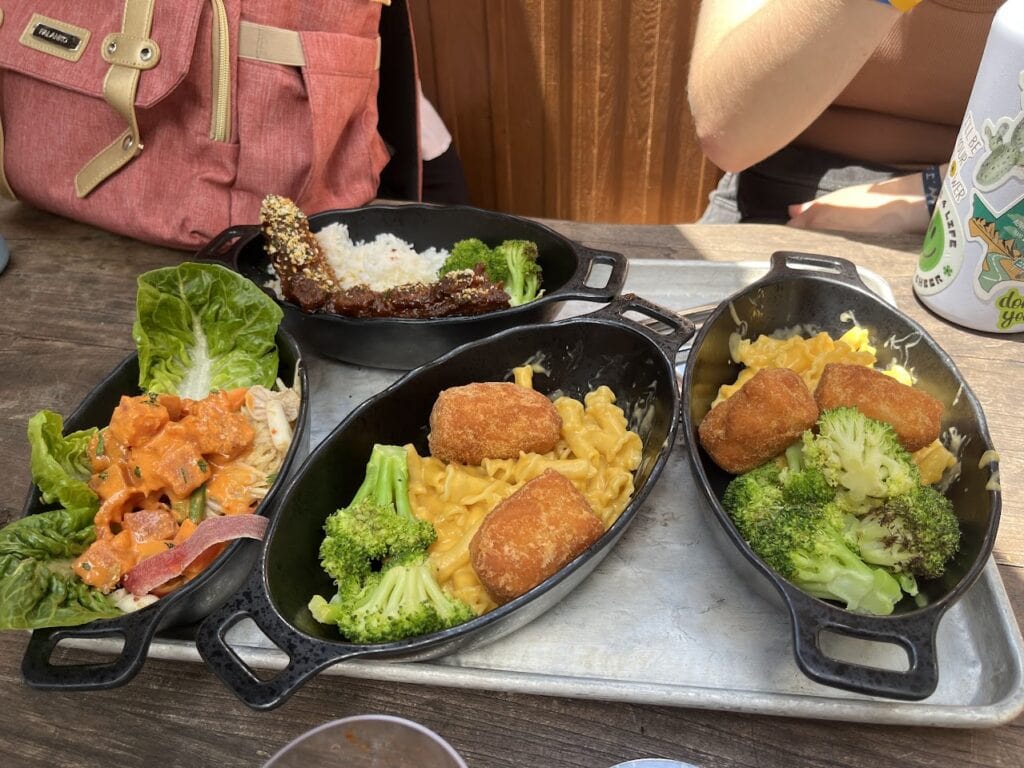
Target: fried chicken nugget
531	534
915	415
491	420
759	421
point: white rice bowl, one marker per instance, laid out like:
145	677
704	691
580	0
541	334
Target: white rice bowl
384	262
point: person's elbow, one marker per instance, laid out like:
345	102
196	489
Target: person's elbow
722	149
718	139
723	153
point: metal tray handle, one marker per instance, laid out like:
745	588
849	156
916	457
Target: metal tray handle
915	634
305	657
137	631
576	287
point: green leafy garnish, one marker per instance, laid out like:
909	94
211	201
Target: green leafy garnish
201	327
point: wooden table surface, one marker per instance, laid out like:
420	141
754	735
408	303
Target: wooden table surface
66	308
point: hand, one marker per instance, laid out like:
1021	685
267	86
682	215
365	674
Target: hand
885	207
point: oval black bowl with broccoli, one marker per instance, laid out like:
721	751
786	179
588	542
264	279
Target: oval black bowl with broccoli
839	527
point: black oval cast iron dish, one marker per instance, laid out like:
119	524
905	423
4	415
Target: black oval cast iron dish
193	600
404	343
821	293
574	357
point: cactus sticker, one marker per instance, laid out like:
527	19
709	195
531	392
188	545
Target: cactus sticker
1005	142
1004	139
942	253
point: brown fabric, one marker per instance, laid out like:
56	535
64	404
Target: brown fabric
905	106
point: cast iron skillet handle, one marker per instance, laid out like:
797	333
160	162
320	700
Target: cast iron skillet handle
576	287
793	263
219	249
135	629
681	329
917	639
305	659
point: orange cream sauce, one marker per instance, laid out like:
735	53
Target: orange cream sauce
158	452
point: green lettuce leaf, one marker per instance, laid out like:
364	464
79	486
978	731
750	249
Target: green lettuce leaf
37	586
59	462
201	327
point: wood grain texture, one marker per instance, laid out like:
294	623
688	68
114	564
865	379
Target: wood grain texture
572	110
66	307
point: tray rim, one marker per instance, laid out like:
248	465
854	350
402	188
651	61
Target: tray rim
872	279
807	706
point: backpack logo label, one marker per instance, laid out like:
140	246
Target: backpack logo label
64	39
55	37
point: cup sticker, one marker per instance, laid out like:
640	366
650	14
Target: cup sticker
1004	140
999	277
999	235
942	253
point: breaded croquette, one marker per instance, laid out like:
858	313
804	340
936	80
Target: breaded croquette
491	420
915	415
531	534
758	422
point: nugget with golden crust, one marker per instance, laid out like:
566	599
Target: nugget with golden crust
914	414
531	534
758	422
491	420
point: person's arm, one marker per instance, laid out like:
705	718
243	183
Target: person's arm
763	70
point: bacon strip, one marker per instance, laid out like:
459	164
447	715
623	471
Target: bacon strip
156	570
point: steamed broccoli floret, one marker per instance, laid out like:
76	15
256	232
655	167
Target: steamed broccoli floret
916	533
523	281
754	496
513	264
843	515
808	547
859	456
378	522
402	600
376	551
806	487
466	254
764	491
790	519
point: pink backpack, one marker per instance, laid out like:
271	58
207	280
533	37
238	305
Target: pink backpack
170	121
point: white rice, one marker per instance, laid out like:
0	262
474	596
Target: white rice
382	263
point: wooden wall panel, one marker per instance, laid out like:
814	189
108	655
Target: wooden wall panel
571	109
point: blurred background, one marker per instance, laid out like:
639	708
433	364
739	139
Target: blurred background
568	109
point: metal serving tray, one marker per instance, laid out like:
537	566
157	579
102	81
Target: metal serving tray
662	620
